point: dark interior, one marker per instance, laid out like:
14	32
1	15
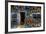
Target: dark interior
22	14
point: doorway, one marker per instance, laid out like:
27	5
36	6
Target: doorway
22	15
